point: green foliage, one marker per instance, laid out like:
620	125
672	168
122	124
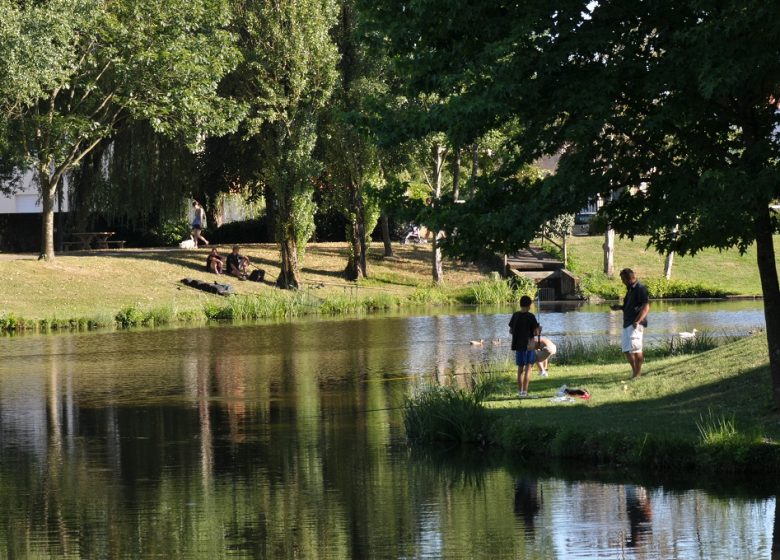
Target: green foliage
702	342
524	286
287	77
10	323
433	295
171	232
578	351
447	414
600	285
132	316
498	291
94	64
663	288
637	107
722	444
129	316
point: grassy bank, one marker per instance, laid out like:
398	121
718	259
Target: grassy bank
143	287
727	271
709	411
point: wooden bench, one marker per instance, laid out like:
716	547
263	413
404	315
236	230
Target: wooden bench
117	244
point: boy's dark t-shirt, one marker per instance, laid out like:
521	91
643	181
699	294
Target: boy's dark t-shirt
522	326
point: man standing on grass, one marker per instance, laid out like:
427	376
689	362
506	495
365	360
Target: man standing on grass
636	306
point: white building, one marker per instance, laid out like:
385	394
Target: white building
26	198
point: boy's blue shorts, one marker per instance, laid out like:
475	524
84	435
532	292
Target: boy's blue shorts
525	357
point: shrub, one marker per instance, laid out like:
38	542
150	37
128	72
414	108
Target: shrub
172	232
702	342
720	443
577	351
129	316
433	295
663	288
446	414
492	292
602	286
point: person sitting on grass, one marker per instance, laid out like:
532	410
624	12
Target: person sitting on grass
237	263
214	262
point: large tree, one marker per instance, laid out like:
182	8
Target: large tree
287	77
350	153
675	101
91	65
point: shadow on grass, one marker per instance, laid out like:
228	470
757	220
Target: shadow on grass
747	396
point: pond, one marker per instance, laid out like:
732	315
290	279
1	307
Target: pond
286	440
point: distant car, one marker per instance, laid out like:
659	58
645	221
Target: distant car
582	223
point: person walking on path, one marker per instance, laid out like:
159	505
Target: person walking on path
198	223
523	326
636	306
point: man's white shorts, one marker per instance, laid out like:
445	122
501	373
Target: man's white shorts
632	339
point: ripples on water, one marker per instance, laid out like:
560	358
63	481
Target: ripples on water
286	440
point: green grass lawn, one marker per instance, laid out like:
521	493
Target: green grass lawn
656	419
98	284
737	274
672	393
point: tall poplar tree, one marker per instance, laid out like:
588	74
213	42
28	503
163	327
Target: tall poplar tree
287	78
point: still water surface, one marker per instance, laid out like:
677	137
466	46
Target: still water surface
286	441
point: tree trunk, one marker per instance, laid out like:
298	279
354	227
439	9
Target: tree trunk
289	274
609	252
456	173
668	265
357	266
670	257
48	194
437	270
386	234
360	219
770	288
352	270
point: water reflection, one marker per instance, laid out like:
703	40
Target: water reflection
640	515
287	441
528	501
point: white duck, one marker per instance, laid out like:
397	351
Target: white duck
476	342
687	335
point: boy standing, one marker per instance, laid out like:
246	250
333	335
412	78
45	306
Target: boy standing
523	326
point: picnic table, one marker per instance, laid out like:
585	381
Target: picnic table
99	238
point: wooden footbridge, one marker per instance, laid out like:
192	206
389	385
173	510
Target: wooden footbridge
549	273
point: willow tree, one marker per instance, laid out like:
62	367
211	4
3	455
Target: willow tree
287	78
120	60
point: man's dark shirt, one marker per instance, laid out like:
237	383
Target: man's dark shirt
522	325
635	300
234	259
